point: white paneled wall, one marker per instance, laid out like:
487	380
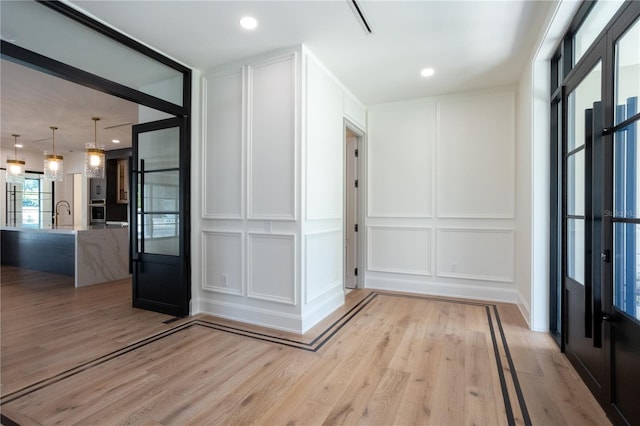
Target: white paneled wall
324	144
476	152
271	138
441	196
400	153
271	175
223	153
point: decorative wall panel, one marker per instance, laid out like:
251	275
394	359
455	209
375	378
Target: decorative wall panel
400	160
272	267
476	254
476	156
222	269
272	139
222	146
323	266
325	145
400	249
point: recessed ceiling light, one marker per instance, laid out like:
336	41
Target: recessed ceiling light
427	72
115	140
18	145
248	23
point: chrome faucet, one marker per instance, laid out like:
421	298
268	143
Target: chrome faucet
65	204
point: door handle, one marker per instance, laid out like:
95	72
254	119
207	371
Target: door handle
607	317
605	256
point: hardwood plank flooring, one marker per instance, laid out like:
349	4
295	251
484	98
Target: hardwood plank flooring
84	356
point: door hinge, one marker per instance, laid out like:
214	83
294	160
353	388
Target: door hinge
356	152
355	272
356	227
356	183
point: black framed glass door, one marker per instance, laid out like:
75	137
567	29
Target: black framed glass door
582	220
159	240
622	275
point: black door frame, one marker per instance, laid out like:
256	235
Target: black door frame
148	295
563	70
39	62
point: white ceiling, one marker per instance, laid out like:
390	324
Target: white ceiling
472	45
33	101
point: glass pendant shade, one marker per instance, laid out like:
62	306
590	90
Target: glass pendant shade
53	167
94	158
53	163
94	162
15	167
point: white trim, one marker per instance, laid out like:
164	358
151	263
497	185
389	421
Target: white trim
428	272
337	283
439	101
525	311
323	309
254	295
492	278
203	266
293	56
464	291
243	143
252	315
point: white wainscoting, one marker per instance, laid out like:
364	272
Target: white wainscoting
400	156
323	263
442	288
272	139
222	260
324	145
476	156
272	267
285	321
399	249
223	144
476	254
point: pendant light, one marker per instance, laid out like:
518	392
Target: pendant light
15	167
53	164
94	156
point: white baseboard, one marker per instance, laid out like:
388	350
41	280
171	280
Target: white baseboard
313	313
441	289
525	310
252	315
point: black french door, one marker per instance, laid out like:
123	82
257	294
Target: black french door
621	272
160	202
601	217
584	174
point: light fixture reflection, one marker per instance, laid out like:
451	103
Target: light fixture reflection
53	163
15	167
94	156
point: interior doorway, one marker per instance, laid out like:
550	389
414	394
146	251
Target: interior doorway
353	138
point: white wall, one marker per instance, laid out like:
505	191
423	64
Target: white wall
441	196
269	172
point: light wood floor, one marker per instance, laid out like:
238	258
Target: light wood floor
85	356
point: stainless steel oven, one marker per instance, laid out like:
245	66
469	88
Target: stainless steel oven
97	212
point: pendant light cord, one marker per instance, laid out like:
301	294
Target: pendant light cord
53	130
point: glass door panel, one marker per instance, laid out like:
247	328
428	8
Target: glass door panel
627	81
160	270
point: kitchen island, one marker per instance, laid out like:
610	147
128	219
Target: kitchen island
91	254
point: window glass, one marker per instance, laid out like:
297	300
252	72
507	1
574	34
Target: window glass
42	30
626	280
575	249
575	184
594	23
627	74
581	99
